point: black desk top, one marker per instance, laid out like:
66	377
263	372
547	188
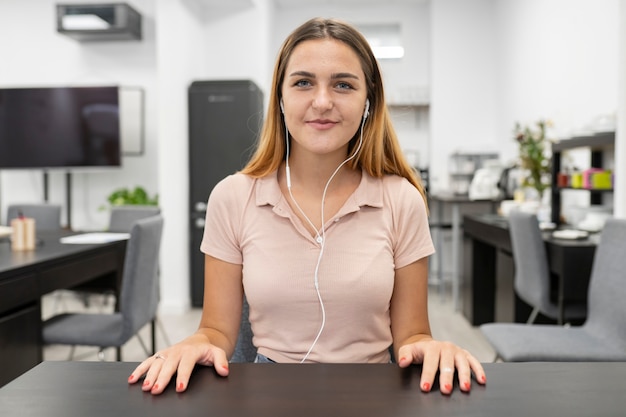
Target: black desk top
49	248
96	389
502	223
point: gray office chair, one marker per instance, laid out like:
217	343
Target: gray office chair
47	216
603	335
245	351
123	217
139	298
532	274
121	220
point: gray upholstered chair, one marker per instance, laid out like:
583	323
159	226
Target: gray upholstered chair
139	298
532	274
121	220
47	216
245	351
603	335
123	217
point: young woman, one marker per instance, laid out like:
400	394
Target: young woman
325	230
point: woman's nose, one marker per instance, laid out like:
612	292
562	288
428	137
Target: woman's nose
322	101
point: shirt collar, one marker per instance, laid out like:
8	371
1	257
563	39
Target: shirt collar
368	193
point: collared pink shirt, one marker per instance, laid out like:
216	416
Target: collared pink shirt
382	226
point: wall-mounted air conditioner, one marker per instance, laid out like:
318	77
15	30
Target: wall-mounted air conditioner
99	22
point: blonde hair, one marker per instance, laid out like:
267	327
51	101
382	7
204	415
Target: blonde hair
380	152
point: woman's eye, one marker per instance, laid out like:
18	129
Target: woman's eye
303	83
344	86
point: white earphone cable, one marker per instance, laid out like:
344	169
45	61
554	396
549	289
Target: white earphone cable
321	233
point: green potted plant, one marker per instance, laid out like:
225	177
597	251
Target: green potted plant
132	196
534	155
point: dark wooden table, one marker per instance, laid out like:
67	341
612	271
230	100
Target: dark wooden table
489	269
25	276
68	389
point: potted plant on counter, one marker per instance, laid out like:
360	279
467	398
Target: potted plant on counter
132	196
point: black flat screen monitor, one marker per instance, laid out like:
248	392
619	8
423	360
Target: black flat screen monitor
59	127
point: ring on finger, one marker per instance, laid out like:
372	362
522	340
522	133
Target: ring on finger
159	356
446	370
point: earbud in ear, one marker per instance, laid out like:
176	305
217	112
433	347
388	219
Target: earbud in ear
367	109
282	107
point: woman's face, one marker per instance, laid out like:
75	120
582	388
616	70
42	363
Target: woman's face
323	95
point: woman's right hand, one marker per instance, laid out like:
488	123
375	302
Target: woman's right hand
180	358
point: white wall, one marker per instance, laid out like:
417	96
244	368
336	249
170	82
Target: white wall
464	85
179	60
557	59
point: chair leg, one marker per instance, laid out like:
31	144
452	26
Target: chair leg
143	345
72	350
533	316
118	353
153	335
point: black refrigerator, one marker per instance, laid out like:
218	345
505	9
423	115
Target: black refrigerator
225	118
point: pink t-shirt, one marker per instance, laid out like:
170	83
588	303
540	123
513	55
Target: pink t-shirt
382	226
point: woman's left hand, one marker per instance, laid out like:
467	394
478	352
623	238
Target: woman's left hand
446	358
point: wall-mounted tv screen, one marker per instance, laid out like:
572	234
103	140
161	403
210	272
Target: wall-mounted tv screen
59	127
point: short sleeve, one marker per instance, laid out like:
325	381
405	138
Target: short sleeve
411	230
223	219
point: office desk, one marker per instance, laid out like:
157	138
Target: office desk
455	201
68	389
488	293
26	276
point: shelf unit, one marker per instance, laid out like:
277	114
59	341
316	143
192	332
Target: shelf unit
598	144
463	165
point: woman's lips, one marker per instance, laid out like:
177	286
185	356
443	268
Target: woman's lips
321	124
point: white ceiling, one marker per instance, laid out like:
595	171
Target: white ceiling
299	3
294	4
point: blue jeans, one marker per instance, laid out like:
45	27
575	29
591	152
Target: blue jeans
262	359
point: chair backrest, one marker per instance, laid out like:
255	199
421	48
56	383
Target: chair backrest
245	351
607	286
532	274
47	216
123	217
139	295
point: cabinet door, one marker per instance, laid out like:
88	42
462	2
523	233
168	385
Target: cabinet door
20	348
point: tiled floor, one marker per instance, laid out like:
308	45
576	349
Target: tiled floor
445	324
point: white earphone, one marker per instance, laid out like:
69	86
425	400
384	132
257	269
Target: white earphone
320	234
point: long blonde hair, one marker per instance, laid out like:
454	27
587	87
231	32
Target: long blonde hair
380	152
